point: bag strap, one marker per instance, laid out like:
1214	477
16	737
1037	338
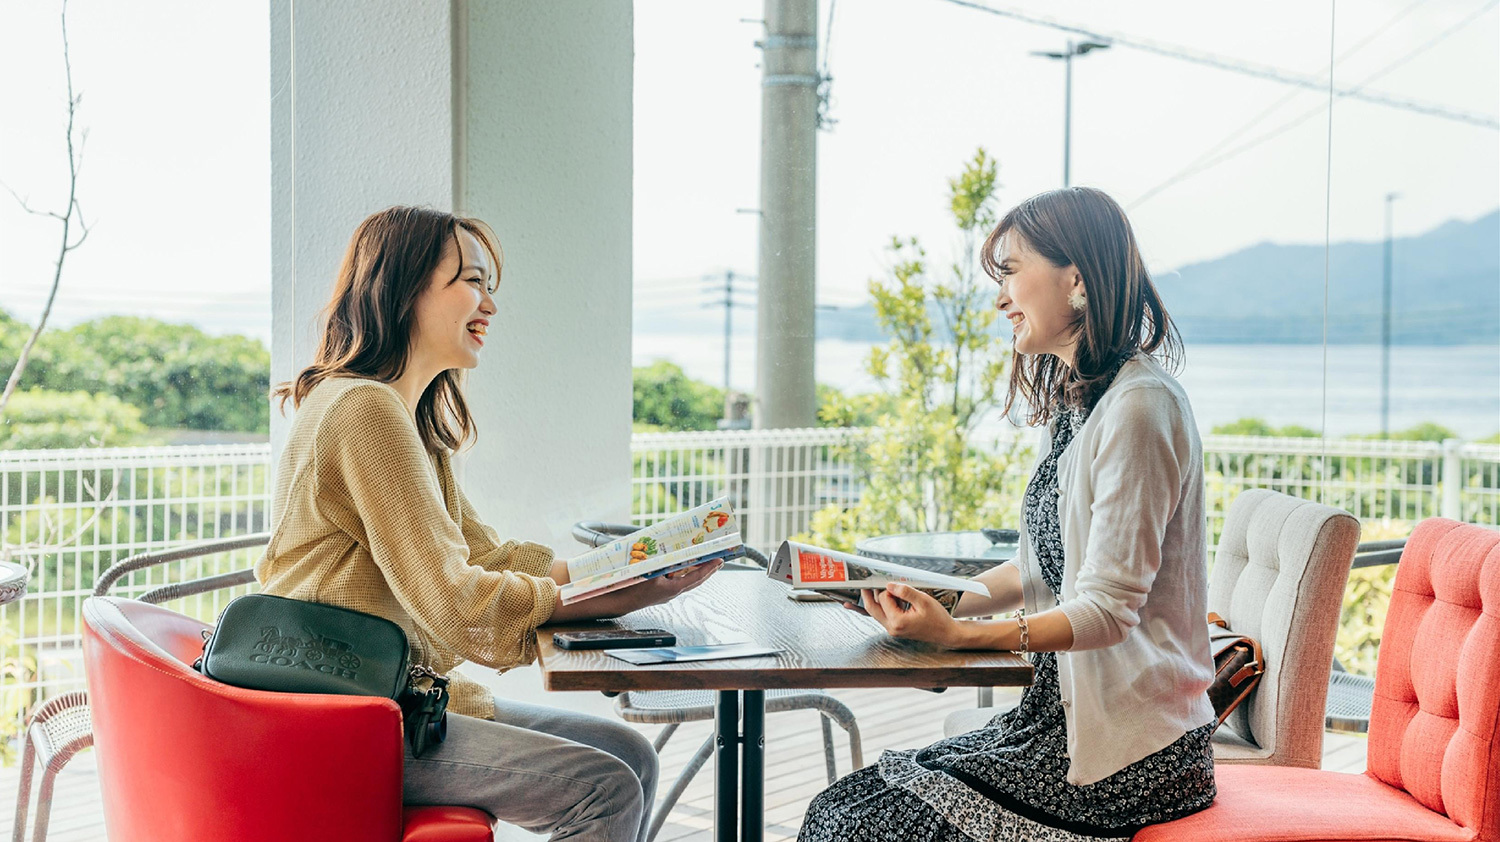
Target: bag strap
1222	638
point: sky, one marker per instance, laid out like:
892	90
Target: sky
176	165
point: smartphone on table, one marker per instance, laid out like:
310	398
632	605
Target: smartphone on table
613	639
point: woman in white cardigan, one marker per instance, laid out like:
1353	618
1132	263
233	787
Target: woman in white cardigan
1110	579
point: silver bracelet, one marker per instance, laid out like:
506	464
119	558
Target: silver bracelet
1025	632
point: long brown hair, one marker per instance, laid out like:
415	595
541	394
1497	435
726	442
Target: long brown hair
1084	228
368	323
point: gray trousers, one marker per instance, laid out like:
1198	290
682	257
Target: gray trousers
546	770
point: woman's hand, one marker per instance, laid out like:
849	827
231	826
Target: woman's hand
922	618
663	588
640	595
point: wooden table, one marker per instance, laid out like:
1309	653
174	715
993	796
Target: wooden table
967	554
822	646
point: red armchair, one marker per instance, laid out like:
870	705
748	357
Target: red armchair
182	757
1433	770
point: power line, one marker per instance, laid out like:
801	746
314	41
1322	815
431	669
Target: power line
1433	42
1276	106
640	288
825	78
1260	71
1202	165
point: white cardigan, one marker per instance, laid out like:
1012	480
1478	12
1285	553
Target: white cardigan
1135	575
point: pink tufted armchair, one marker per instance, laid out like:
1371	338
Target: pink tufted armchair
1434	755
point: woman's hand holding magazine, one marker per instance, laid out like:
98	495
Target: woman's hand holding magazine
667	549
912	614
910	603
633	597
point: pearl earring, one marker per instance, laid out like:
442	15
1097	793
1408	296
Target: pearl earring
1077	301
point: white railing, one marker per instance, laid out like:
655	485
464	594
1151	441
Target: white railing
1388	481
1475	498
776	479
68	514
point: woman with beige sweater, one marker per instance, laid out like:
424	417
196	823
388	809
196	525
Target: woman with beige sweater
1111	575
368	517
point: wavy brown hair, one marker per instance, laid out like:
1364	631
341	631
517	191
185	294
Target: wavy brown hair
368	324
1084	228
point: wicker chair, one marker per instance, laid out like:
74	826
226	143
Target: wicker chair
674	707
60	727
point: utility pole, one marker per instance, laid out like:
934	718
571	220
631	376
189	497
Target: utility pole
728	326
785	391
732	410
1385	325
1067	60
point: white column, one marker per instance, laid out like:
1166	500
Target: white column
546	128
518	113
361	107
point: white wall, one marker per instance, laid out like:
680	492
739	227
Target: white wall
519	113
547	129
360	107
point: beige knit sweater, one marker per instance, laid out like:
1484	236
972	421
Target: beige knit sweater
366	518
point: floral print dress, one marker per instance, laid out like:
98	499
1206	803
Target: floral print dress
1008	780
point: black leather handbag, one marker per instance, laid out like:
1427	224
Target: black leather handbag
265	642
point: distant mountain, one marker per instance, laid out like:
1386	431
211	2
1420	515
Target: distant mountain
1445	291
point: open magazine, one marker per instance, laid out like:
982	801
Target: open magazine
842	576
706	533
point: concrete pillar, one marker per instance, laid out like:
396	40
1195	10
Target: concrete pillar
360	105
547	135
785	391
513	111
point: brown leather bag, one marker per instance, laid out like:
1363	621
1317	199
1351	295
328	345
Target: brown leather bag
1238	665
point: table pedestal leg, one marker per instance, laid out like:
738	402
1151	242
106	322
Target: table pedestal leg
753	803
726	765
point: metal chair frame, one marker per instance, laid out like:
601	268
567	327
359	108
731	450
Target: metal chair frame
1349	695
674	707
59	728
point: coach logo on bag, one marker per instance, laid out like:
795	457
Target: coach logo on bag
317	652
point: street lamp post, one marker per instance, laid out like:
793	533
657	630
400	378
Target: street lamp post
1067	60
1385	325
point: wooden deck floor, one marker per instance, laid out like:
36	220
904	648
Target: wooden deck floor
795	770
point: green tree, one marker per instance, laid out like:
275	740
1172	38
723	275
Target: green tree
1425	431
836	409
176	374
1257	427
667	399
37	418
940	374
13	334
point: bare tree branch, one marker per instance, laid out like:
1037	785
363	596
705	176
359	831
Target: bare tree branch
75	161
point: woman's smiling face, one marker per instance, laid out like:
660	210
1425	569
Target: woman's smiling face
453	312
1034	297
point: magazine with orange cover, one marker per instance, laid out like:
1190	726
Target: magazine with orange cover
842	575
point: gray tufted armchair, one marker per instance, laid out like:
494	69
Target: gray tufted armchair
1279	577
